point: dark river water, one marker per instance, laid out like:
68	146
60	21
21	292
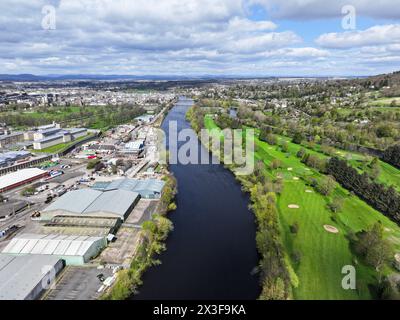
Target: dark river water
211	254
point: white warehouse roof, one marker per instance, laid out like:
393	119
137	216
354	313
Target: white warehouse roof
51	245
19	176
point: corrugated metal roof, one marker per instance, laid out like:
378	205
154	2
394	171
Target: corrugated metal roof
75	201
50	245
115	201
89	201
139	186
19	275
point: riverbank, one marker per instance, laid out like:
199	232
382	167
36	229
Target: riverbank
151	244
213	231
276	275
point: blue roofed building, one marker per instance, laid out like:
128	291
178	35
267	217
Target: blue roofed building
148	189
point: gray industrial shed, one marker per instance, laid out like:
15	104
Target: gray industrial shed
148	189
93	203
26	277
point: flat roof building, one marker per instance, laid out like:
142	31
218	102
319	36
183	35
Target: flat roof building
26	277
74	250
20	177
93	203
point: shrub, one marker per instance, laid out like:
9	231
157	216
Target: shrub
294	228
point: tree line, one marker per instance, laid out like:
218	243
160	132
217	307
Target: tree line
383	199
392	155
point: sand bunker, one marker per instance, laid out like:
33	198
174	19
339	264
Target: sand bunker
309	191
293	206
331	229
295	178
289	169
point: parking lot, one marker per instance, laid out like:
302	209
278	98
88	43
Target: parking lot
78	283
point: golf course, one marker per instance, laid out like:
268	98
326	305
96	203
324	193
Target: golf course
320	247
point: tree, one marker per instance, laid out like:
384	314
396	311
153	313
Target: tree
276	164
384	131
326	185
375	169
336	204
373	247
301	153
285	146
294	228
298	137
92	163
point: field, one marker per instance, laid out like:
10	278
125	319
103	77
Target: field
322	254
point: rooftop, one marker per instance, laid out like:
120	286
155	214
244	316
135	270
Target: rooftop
87	201
19	275
140	186
59	245
19	176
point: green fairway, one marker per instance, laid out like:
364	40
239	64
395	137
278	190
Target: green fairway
322	254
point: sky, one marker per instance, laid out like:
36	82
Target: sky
200	37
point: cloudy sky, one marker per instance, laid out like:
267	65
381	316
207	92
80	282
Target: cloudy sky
198	37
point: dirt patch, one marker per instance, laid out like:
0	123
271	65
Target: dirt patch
289	169
309	191
293	206
296	178
331	229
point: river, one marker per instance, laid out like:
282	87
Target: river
211	254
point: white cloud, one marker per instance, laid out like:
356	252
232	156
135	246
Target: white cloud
320	9
377	35
176	37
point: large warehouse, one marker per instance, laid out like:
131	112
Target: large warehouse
148	189
20	177
75	250
26	277
93	203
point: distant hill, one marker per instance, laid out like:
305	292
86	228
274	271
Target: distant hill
390	83
31	77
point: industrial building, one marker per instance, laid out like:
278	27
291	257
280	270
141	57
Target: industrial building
50	137
11	139
20	178
133	148
111	203
148	189
26	277
8	158
74	250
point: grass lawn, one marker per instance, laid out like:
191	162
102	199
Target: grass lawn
323	254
